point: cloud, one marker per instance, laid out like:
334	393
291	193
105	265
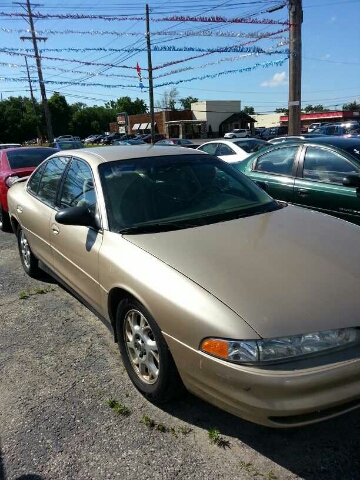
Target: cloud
333	19
326	57
277	79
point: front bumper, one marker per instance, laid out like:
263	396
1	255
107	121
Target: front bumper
272	397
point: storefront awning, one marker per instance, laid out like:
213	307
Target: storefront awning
136	126
144	126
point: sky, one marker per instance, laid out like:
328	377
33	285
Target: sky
257	75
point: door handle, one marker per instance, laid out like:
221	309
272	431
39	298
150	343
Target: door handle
55	229
303	192
19	209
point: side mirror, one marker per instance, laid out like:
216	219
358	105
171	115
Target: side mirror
77	216
352	180
263	185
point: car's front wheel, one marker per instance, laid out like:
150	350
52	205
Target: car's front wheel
5	224
28	260
145	354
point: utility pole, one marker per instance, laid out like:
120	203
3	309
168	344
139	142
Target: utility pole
34	39
295	20
151	89
33	101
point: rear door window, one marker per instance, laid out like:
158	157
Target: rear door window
209	148
326	166
50	180
279	161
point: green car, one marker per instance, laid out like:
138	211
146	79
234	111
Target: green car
322	174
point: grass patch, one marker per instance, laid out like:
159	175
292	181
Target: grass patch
37	291
217	439
160	427
254	472
118	407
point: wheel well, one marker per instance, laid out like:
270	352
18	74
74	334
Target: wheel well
14	224
116	295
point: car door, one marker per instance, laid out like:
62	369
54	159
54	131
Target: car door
277	169
76	248
319	183
34	213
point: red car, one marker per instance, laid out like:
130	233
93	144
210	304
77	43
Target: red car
16	163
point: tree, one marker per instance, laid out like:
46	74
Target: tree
283	110
352	106
249	110
125	104
187	101
168	100
315	109
60	113
17	120
91	120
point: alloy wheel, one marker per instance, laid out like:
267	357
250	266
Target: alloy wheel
25	250
141	347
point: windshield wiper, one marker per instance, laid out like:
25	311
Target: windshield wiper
155	228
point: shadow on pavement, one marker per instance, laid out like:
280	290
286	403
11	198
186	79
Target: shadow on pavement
28	476
324	451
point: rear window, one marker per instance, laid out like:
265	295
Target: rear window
70	145
24	158
251	146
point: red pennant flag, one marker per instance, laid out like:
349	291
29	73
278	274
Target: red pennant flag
138	69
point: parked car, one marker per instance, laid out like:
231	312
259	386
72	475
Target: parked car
108	139
291	138
66	144
321	174
131	141
273	132
16	163
66	137
9	145
233	150
312	126
182	142
238	133
97	139
338	129
158	136
206	281
90	138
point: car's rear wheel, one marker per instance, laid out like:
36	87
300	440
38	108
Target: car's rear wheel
28	260
145	354
5	224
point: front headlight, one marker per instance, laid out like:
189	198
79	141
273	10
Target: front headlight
280	349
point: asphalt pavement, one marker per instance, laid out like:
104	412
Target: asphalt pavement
69	411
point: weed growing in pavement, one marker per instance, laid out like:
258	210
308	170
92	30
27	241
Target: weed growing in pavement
36	291
118	407
217	439
160	427
149	422
253	471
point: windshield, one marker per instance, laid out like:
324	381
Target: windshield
25	158
70	145
177	190
252	145
354	150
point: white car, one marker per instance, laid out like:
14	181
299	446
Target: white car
238	133
233	150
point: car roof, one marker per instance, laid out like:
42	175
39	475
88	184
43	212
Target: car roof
339	142
98	155
24	149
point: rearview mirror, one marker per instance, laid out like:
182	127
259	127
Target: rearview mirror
352	180
77	216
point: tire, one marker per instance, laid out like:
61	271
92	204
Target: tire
5	225
28	260
152	370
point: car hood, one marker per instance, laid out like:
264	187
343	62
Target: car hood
286	272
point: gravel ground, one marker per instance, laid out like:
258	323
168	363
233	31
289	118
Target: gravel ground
59	366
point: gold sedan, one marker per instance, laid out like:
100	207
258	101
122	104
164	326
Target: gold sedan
207	282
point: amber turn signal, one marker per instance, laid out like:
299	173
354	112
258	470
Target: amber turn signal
217	347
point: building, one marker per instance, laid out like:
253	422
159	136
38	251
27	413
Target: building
337	116
267	120
210	118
